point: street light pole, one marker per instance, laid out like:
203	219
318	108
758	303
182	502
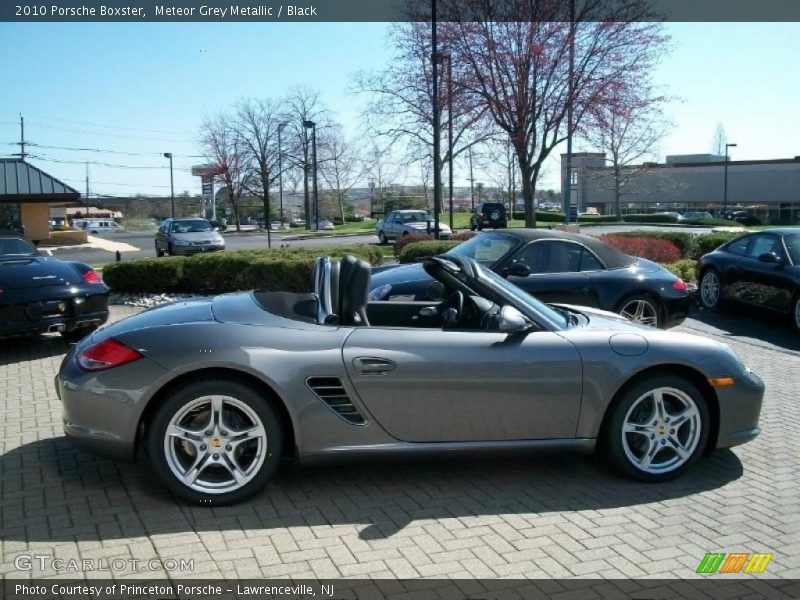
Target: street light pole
313	126
471	182
437	159
280	170
449	60
725	185
171	184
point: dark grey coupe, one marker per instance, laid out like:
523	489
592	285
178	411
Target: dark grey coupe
217	390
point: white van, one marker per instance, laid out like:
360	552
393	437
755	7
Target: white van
102	226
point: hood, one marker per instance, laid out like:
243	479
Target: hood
605	320
36	271
398	274
198	236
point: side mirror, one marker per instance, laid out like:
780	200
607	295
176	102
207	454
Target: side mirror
511	320
518	269
769	257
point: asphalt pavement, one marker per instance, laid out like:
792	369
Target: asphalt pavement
254	240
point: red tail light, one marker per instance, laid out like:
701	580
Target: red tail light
106	355
92	276
679	285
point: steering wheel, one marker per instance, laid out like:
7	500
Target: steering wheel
451	309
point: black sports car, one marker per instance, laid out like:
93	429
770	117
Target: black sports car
40	294
760	269
560	268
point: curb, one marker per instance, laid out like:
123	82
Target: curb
308	236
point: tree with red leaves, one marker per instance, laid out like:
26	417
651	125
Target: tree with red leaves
516	55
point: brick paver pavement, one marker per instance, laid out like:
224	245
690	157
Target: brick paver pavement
560	516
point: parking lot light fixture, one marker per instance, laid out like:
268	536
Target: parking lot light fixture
281	127
313	127
725	184
171	184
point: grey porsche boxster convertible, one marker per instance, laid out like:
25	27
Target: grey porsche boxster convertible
218	390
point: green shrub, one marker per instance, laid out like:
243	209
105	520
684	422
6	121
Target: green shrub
686	269
711	241
649	218
278	269
549	217
419	250
597	219
145	275
708	222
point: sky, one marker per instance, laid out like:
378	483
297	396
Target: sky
142	89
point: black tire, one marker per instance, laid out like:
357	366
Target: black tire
93	232
76	335
159	252
611	437
382	238
653	310
795	314
169	250
177	400
704	297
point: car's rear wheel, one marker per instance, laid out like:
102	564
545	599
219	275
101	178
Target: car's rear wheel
657	429
641	309
710	289
215	442
382	238
796	313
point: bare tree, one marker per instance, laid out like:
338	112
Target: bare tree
380	169
719	140
628	132
258	122
303	105
503	171
519	68
223	143
400	106
340	166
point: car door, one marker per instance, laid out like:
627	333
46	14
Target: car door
764	283
162	236
430	385
555	273
388	225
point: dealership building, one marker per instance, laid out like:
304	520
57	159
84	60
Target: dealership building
769	189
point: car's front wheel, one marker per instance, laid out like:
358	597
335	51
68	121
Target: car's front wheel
657	429
710	289
796	313
159	251
382	238
215	442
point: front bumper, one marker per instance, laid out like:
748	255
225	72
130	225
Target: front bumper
739	410
188	250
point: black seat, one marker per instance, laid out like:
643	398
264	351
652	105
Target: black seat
353	284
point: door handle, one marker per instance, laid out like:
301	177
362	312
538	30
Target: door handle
373	366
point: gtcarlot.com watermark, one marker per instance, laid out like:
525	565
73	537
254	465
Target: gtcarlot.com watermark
46	562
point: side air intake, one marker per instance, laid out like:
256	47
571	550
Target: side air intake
331	391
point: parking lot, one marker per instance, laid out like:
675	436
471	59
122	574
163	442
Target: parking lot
554	516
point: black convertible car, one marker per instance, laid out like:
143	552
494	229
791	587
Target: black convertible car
760	269
558	268
40	294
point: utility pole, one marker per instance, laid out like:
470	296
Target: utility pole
172	185
471	182
280	170
22	154
87	181
568	183
437	158
450	133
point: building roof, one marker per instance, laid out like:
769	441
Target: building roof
22	182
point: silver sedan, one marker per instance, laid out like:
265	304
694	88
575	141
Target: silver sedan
218	390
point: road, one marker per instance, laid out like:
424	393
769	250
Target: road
256	240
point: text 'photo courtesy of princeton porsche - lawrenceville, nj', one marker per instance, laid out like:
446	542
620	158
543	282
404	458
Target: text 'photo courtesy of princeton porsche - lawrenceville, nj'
399	300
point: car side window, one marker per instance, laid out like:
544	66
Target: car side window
589	262
390	218
764	244
739	247
551	257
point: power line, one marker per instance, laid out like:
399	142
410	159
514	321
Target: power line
108	151
47	158
114	135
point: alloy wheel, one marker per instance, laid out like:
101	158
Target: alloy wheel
215	444
710	289
661	430
640	310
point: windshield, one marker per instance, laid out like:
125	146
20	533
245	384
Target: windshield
194	226
554	317
16	247
416	217
793	247
486	248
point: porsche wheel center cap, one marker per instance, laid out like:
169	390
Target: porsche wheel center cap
216	442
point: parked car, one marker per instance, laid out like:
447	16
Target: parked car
325	225
488	214
399	223
675	215
561	267
219	224
690	215
744	218
760	269
327	374
297	223
187	236
40	294
95	226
